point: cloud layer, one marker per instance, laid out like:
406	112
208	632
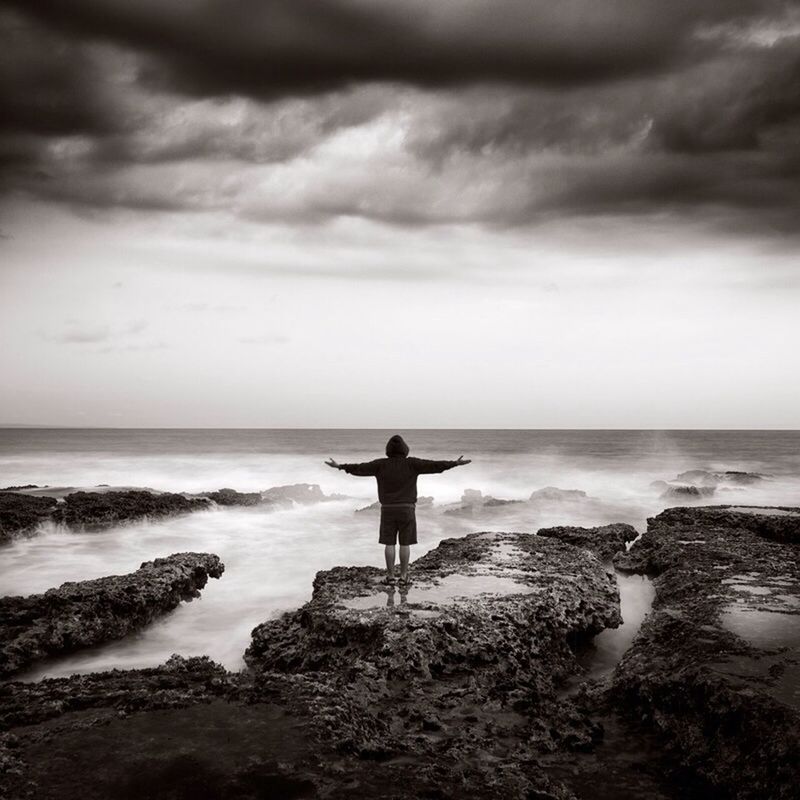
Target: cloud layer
410	113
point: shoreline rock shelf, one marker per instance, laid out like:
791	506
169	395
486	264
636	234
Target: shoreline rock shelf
715	669
604	541
454	684
24	508
85	613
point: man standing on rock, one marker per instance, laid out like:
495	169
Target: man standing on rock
397	493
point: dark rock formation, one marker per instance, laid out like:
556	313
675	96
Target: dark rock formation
230	497
98	509
189	729
294	493
85	613
467	660
687	492
454	690
715	667
710	478
605	541
473	500
551	493
179	682
21	513
18	488
422	502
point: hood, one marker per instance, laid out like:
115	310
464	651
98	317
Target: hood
396	446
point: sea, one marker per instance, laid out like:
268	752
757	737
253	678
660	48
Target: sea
272	556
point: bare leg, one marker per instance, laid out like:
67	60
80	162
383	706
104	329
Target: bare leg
389	552
405	556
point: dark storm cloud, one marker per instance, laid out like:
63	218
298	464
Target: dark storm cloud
269	48
509	111
735	103
48	85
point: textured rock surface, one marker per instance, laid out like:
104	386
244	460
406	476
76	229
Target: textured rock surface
89	509
604	541
230	497
715	669
21	513
188	729
85	613
467	660
454	689
687	492
711	478
550	493
295	493
473	500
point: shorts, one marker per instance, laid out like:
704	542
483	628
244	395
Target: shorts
400	520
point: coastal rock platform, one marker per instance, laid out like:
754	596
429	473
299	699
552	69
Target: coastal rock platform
463	684
452	690
605	541
715	669
85	613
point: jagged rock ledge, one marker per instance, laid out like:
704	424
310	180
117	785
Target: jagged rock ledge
85	613
460	676
22	514
24	508
483	578
96	509
471	655
604	541
715	669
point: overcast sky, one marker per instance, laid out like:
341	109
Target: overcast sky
400	213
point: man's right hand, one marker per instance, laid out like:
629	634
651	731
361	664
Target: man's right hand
332	464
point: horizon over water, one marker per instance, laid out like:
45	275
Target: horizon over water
271	557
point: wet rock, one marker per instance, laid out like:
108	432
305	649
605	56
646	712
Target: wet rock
177	683
230	497
302	493
422	502
715	668
604	541
473	500
21	514
710	478
552	493
86	613
470	654
488	576
687	492
216	742
100	509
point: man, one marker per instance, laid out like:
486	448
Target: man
397	493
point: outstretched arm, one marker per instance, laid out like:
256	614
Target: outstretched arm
367	468
426	466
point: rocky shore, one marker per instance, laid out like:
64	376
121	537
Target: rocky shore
466	684
23	509
86	613
715	670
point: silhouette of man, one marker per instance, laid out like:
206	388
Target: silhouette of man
397	493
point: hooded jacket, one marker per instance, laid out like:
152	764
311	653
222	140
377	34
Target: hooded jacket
397	473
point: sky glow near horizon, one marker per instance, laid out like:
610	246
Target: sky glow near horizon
527	219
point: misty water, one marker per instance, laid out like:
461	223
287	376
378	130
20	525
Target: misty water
271	556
